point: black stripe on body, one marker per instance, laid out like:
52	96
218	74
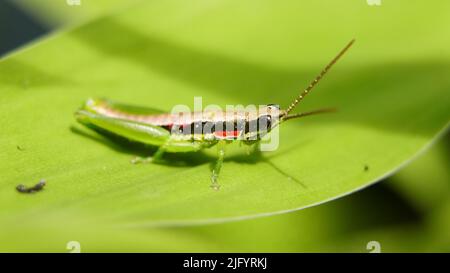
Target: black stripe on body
196	129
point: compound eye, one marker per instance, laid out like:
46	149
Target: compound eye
264	122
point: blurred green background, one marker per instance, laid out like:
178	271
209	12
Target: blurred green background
409	51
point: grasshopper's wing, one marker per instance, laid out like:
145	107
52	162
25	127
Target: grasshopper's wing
132	130
100	105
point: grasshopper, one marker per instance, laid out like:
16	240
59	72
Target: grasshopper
196	131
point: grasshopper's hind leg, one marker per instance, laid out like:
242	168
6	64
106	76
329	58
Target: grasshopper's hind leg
136	131
156	156
148	159
216	170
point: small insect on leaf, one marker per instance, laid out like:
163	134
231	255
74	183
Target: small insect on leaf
173	134
24	189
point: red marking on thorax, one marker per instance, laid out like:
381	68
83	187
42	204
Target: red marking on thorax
226	133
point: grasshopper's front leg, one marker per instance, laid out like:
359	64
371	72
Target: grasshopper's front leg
252	147
216	170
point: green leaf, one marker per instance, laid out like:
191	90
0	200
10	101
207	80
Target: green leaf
426	181
391	90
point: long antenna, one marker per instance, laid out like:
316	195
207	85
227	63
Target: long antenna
310	113
317	79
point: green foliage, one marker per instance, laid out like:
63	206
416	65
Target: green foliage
391	91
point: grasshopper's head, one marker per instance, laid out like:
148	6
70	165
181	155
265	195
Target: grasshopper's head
270	116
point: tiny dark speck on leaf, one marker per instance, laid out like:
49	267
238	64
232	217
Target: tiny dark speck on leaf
366	168
20	148
24	189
